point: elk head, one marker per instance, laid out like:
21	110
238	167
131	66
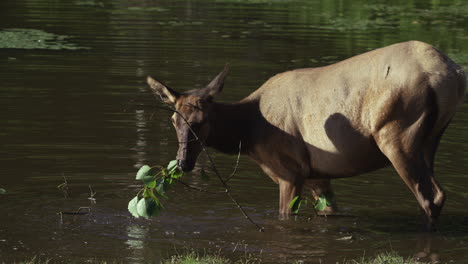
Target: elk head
191	117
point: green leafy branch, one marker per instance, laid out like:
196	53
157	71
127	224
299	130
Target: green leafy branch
157	181
146	203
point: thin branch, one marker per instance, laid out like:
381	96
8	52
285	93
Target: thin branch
196	188
64	187
181	142
214	169
91	195
237	163
77	212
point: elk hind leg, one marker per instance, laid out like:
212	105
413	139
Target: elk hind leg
430	149
414	164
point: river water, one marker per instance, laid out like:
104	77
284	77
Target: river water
86	116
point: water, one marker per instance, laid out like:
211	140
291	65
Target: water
87	116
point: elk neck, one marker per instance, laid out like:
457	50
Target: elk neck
233	123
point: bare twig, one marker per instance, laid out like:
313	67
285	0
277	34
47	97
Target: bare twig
180	142
64	187
214	169
91	195
196	188
77	212
237	163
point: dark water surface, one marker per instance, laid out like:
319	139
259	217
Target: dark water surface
87	115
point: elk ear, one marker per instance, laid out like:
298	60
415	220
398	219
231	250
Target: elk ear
167	95
216	85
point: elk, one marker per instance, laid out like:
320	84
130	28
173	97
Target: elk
305	127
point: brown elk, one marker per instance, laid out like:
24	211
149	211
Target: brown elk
307	126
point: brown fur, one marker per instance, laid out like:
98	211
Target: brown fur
307	126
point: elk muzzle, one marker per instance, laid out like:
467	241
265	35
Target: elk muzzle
187	154
185	166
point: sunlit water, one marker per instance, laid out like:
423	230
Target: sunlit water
87	116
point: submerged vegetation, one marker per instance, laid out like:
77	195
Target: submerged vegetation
25	38
382	16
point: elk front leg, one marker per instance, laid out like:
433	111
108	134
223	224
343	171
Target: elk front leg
288	190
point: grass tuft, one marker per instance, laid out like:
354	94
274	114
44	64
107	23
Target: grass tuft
193	257
35	260
385	258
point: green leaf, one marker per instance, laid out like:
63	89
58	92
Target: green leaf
152	195
324	200
177	174
172	166
148	207
147	192
204	176
163	186
160	186
142	172
320	204
173	170
2	191
147	175
132	206
151	184
295	204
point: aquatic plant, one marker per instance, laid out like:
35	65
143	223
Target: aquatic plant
24	38
147	9
89	3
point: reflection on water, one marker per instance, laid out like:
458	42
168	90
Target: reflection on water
427	253
88	115
140	122
136	237
140	146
